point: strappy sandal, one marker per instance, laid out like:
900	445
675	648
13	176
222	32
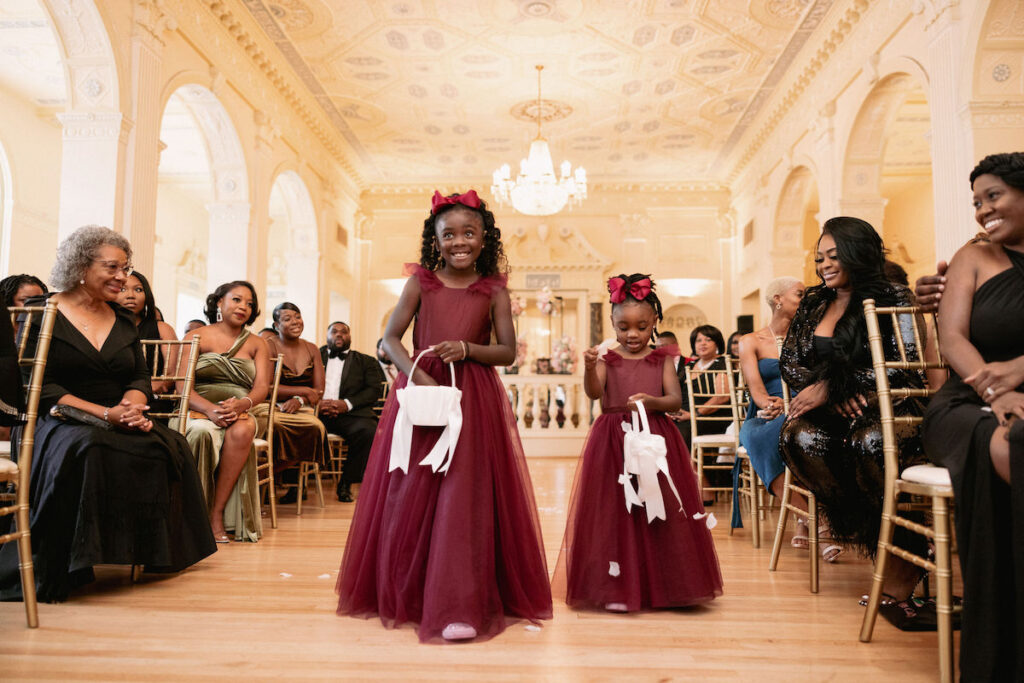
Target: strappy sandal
830	552
800	539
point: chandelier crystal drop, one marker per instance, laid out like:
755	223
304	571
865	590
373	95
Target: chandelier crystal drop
536	190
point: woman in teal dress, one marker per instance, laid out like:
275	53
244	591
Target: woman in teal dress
231	377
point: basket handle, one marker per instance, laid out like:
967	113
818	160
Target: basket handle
412	370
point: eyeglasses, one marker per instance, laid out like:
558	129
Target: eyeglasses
113	266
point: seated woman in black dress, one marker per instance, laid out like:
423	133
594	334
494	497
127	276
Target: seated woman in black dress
707	345
832	440
974	425
111	488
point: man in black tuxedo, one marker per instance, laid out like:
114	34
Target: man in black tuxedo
353	382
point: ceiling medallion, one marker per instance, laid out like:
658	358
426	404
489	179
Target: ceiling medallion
537	191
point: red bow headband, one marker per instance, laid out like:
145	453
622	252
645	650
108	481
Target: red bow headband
469	199
638	290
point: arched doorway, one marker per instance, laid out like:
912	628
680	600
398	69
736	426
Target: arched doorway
202	209
887	178
293	255
796	226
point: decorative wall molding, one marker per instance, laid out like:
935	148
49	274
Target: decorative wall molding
79	125
241	30
841	30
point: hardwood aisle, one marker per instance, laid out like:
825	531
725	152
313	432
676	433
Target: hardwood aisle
266	612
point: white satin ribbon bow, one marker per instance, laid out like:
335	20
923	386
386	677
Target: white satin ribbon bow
644	455
426	406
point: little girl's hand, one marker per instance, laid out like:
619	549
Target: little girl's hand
636	398
450	351
590	357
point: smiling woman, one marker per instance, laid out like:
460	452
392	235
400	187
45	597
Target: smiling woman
975	424
109	485
832	437
232	376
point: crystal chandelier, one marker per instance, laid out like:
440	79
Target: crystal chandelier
537	191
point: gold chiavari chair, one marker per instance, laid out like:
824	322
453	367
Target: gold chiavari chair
716	384
172	350
749	484
265	448
337	453
920	481
789	487
21	472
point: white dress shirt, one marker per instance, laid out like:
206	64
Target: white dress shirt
332	380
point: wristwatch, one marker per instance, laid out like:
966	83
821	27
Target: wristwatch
302	401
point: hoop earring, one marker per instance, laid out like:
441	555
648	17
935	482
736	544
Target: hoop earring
220	316
778	307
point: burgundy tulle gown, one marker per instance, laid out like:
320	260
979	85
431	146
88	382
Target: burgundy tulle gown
610	555
433	549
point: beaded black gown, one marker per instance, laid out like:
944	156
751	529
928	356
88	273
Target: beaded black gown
989	514
837	458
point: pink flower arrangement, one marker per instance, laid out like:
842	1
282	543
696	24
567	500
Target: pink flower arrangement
518	305
564	355
520	352
545	301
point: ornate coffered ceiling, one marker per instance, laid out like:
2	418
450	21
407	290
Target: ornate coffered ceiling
648	90
30	63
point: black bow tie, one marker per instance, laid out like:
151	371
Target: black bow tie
337	353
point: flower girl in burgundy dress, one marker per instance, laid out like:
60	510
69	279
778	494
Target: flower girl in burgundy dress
622	557
452	551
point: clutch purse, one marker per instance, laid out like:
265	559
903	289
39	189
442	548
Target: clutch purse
66	413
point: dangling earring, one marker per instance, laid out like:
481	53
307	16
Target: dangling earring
220	316
778	307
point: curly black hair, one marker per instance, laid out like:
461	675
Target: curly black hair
214	299
651	299
1008	167
492	257
10	285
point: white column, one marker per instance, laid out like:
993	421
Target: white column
870	209
952	147
303	269
229	243
142	158
91	155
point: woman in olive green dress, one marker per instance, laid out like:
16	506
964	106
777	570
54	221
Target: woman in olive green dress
231	377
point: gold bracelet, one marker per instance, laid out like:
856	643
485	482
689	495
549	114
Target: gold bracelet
250	403
465	350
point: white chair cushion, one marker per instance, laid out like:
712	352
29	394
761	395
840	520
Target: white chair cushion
260	443
7	468
927	474
5	449
713	440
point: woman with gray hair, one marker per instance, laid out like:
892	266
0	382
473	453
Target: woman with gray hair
759	361
109	485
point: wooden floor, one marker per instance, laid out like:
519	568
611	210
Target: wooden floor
266	612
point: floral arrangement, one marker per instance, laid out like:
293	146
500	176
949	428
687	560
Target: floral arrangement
545	301
564	355
520	360
518	305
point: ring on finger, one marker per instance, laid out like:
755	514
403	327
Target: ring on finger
990	392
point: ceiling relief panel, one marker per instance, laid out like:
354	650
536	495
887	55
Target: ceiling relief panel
633	89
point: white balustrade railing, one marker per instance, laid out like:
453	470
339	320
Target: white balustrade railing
552	412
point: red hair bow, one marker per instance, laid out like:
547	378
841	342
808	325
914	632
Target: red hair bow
638	290
469	199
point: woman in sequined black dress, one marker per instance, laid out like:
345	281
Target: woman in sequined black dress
832	440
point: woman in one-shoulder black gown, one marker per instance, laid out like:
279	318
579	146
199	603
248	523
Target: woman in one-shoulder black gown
967	430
